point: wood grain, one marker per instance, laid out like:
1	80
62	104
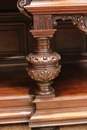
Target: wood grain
69	106
15	96
57	7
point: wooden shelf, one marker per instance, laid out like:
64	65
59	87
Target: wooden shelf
15	96
68	107
70	104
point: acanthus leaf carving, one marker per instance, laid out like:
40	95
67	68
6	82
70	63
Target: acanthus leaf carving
44	75
79	20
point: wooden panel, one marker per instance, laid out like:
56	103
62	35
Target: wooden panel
69	38
8	5
13	40
16	40
69	42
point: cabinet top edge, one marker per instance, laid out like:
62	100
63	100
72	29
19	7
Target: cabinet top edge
57	7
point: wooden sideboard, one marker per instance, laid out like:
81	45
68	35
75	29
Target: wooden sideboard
21	100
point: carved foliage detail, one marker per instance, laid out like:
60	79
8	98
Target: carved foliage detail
44	75
42	22
79	20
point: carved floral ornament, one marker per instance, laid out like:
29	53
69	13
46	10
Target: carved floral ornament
79	20
44	75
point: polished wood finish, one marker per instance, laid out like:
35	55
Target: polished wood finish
18	25
14	37
43	63
57	7
50	109
15	96
68	107
20	98
44	21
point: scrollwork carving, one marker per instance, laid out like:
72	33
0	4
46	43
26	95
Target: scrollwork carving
21	4
79	20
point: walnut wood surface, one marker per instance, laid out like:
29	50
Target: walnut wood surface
15	96
57	7
75	77
68	107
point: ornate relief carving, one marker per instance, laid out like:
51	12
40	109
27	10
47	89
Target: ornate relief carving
21	4
43	65
79	20
42	22
43	59
44	75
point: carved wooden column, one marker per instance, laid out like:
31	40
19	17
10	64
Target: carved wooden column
43	63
